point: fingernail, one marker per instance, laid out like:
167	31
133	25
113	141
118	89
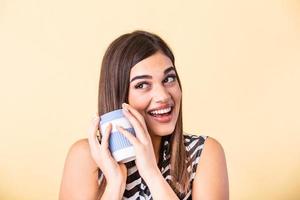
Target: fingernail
125	104
125	107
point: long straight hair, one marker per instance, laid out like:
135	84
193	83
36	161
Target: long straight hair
122	54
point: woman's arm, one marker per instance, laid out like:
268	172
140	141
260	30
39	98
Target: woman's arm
80	176
159	187
211	179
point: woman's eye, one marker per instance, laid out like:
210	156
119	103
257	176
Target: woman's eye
170	78
142	85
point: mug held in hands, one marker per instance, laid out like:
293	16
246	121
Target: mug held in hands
120	147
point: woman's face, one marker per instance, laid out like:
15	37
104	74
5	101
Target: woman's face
154	91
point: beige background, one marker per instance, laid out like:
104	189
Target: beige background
239	62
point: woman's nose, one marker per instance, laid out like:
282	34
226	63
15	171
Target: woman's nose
161	95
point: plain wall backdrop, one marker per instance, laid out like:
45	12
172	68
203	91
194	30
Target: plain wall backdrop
239	62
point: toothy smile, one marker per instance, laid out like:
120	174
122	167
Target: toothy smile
164	111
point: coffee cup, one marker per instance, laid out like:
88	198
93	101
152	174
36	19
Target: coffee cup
120	147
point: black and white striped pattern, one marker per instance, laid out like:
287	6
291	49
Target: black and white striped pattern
136	187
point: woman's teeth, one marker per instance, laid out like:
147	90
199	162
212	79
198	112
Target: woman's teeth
161	111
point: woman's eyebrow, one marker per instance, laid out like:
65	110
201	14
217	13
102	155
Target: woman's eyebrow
141	77
149	77
169	69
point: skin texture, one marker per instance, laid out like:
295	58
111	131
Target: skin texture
86	155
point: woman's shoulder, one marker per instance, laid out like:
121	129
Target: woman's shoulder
80	144
213	150
79	152
73	184
202	146
212	166
80	147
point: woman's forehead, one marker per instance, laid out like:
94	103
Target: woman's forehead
155	64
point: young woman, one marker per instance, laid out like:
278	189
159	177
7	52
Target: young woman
138	74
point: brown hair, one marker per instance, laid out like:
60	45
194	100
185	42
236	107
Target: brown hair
121	55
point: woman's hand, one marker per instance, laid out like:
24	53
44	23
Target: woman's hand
115	173
145	156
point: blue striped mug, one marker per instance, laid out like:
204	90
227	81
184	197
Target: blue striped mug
119	146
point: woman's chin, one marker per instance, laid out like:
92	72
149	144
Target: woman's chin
161	131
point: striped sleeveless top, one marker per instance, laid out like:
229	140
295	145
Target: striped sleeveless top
136	187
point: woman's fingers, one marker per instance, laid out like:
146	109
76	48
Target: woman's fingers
135	113
100	153
105	137
139	130
128	135
92	134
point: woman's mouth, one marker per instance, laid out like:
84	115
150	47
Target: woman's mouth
162	115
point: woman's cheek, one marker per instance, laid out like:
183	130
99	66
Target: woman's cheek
138	103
